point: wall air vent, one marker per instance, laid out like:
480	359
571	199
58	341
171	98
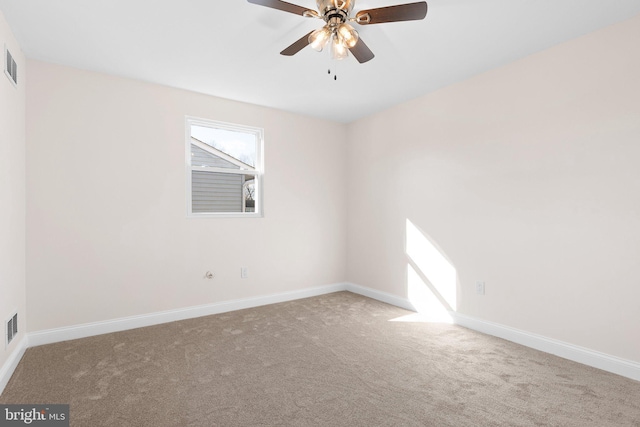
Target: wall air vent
10	68
12	328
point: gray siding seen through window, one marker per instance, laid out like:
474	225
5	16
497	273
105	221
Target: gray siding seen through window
216	192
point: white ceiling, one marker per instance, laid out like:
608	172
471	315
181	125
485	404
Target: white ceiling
231	48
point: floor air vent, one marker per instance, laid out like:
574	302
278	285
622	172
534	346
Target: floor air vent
11	68
12	328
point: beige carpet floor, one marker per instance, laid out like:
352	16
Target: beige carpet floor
333	360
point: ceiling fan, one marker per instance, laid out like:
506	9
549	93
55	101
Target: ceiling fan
337	32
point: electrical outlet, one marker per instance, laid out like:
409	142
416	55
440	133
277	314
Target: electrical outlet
480	288
244	272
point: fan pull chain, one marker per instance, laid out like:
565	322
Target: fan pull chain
335	73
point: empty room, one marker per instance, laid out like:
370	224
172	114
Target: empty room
320	213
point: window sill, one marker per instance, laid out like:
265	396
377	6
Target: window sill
226	215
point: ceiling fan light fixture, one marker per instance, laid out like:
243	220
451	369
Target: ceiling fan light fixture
319	38
338	49
337	14
348	35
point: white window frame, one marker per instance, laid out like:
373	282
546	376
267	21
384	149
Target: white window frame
258	172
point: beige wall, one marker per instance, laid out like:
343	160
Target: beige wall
12	192
108	235
526	177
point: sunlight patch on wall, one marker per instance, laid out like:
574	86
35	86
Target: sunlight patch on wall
430	261
427	304
431	279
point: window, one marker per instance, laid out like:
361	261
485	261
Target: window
224	169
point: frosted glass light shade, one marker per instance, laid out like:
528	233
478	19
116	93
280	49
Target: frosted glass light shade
319	38
348	35
338	49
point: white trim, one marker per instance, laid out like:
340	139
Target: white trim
11	364
585	356
125	323
221	125
380	296
581	355
204	215
122	324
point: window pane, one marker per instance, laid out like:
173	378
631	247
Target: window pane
222	192
224	169
250	194
238	146
201	157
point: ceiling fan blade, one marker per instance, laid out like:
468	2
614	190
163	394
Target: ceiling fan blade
297	46
401	12
283	5
361	52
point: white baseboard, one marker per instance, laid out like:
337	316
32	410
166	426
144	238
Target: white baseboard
596	359
122	324
582	355
616	365
12	363
380	296
51	336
